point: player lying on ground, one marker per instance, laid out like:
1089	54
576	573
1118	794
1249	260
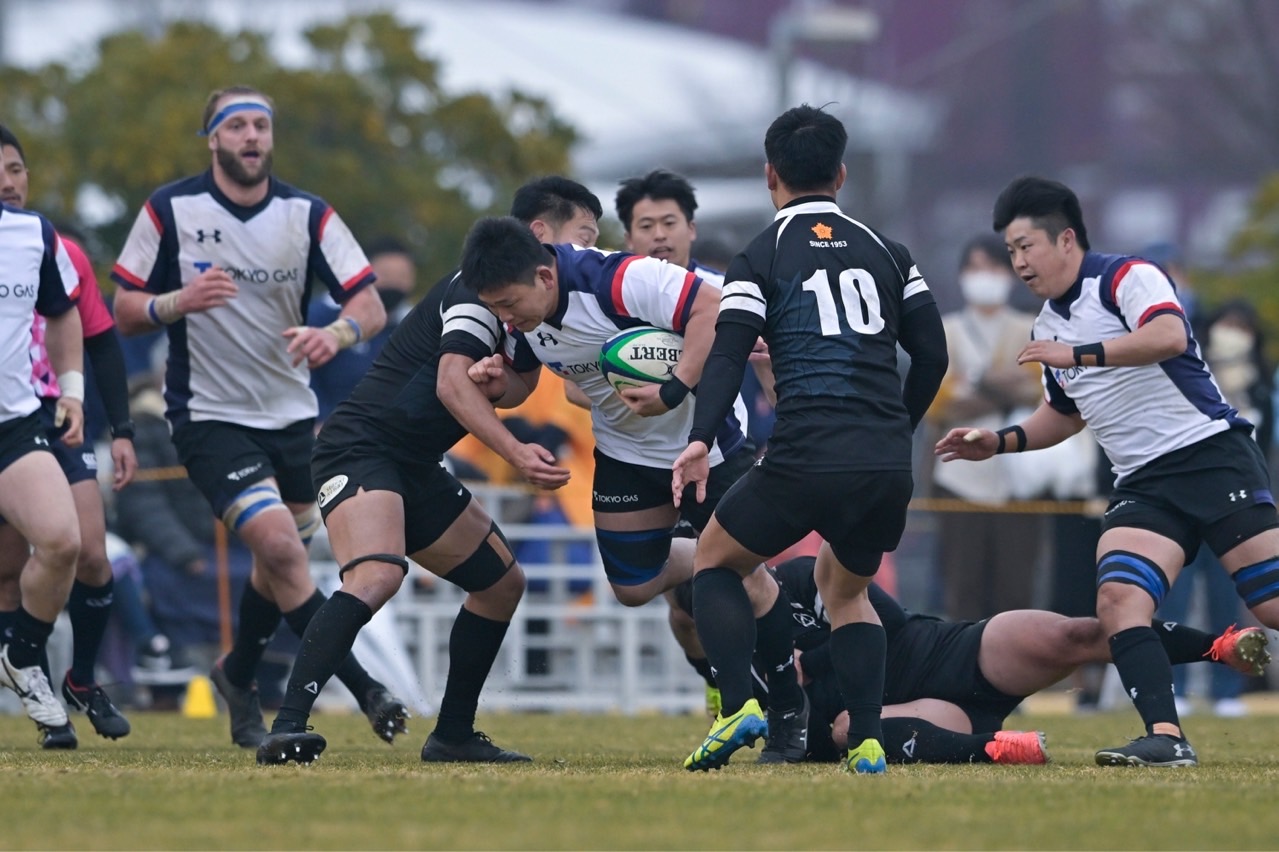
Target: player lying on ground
950	686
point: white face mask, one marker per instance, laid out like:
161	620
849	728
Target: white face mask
981	287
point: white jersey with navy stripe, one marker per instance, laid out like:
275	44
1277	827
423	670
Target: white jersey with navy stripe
230	363
600	294
36	276
1137	413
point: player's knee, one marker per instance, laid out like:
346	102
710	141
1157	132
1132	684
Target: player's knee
1080	636
490	570
92	566
505	595
59	551
632	559
1120	572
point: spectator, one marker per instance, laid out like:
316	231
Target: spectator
987	559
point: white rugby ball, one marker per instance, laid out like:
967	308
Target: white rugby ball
640	356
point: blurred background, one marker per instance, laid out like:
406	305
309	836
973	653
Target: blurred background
414	118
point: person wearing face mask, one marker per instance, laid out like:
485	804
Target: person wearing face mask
986	559
396	272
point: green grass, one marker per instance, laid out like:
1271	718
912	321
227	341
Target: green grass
608	782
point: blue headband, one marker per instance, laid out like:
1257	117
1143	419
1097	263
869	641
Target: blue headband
232	108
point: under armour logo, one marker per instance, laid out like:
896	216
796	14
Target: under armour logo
216	236
1236	496
546	338
908	748
313	688
1183	750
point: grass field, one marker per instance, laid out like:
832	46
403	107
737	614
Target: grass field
608	782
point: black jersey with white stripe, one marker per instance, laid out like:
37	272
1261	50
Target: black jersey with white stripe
828	295
395	404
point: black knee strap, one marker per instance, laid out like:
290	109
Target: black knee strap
390	558
482	568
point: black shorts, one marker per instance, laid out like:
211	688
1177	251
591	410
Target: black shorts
80	464
20	436
1215	491
433	498
223	459
862	514
623	487
929	658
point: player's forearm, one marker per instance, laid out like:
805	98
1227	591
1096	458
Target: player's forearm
107	359
130	309
699	335
64	339
365	311
468	405
725	366
1045	427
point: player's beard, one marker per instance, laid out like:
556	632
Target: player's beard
236	171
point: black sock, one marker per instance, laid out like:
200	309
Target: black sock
703	667
28	636
349	671
258	619
90	610
1183	644
857	652
326	641
1146	674
775	646
726	627
910	740
473	646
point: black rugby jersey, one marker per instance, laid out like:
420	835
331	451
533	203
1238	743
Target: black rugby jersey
828	295
395	405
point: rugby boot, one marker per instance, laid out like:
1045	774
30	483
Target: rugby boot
726	736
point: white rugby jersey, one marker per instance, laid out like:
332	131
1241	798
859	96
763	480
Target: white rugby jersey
230	363
36	275
602	293
1137	413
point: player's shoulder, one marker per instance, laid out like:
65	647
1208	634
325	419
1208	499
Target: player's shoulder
187	186
287	191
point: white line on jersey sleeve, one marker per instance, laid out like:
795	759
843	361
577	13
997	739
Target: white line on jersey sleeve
742	296
474	320
914	284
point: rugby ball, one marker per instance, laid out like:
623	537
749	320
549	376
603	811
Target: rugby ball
640	356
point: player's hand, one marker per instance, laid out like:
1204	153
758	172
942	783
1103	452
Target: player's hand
1050	353
212	288
316	346
645	400
124	463
692	467
759	352
967	443
489	374
537	465
71	413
